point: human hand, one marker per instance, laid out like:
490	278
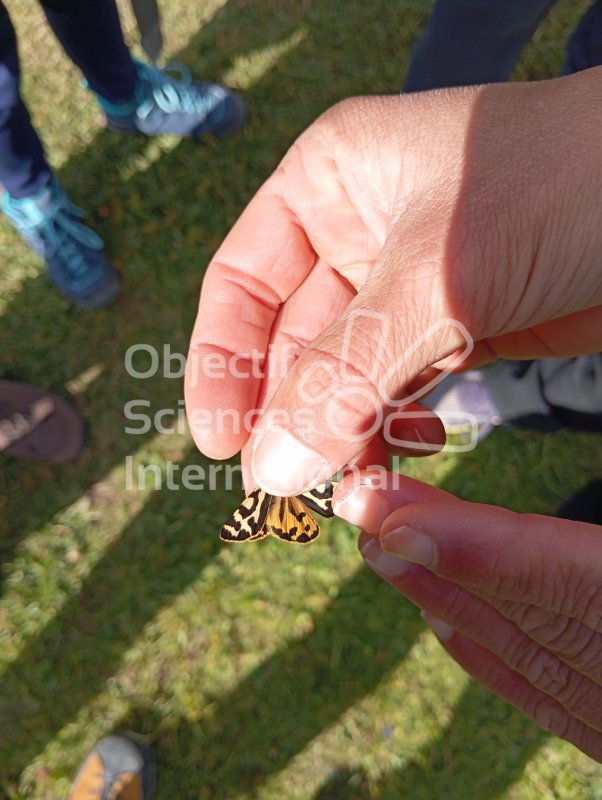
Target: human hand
395	231
515	599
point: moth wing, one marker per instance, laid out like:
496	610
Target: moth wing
291	521
247	523
319	499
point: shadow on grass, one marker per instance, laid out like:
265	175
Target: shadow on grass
162	222
256	729
161	242
463	763
68	663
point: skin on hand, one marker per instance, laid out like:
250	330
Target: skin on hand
515	599
395	230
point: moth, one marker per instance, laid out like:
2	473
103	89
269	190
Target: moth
288	518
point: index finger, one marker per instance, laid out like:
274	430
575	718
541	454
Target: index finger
551	563
264	258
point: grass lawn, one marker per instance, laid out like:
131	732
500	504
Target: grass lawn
258	672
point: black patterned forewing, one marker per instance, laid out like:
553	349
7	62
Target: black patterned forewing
248	521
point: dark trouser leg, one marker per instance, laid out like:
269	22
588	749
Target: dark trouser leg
473	41
23	168
90	33
549	394
585	45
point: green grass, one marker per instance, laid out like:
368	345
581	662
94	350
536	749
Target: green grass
260	672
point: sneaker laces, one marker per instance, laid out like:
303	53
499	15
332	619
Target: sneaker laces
55	230
172	94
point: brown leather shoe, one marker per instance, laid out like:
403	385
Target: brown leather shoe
37	424
118	768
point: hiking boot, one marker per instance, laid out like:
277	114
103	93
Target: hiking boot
173	103
50	223
118	768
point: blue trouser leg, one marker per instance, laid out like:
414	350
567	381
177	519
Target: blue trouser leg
473	41
23	168
585	45
90	34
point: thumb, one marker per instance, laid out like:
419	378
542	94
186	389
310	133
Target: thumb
347	385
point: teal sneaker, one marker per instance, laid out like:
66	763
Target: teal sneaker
165	103
50	223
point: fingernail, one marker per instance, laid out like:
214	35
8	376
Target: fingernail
418	441
364	507
283	465
410	544
411	437
441	629
381	562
